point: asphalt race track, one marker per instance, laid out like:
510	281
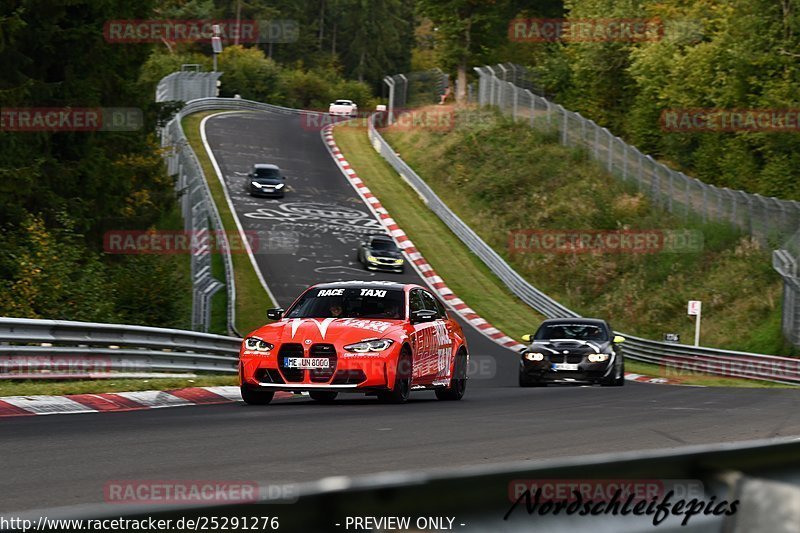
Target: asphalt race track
49	461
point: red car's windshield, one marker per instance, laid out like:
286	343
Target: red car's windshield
351	302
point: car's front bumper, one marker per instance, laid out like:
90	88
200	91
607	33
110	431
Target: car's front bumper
269	193
385	268
543	371
354	374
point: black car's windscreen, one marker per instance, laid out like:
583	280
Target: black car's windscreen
267	173
583	332
384	245
356	302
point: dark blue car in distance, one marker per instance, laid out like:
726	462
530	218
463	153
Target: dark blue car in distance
266	180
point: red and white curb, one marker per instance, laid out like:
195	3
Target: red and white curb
121	401
649	379
414	256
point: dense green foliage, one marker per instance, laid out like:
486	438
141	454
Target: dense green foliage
725	54
60	191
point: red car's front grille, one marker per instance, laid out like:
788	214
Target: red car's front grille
327	351
290	350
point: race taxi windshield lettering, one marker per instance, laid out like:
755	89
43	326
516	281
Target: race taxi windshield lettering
330	292
373	292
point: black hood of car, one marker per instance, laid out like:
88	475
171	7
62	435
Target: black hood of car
393	254
267	181
571	346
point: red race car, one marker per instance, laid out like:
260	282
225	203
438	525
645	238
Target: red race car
379	338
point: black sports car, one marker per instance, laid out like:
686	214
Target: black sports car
564	350
381	253
266	180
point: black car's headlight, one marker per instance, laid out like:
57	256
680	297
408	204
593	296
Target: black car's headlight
254	344
598	357
369	346
534	356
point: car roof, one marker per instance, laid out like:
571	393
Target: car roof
587	321
364	284
266	166
382	237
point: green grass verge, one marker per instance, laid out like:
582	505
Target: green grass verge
481	290
484	292
503	177
251	298
32	388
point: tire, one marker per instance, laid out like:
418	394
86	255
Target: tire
323	396
256	397
458	385
620	381
402	381
617	380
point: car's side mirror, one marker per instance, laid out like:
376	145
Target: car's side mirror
423	315
527	337
618	339
276	313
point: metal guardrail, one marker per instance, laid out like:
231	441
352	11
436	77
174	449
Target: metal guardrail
762	476
680	358
509	88
785	262
75	348
185	86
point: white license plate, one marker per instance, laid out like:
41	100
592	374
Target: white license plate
306	363
565	366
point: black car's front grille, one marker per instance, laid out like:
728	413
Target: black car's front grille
290	350
572	358
327	351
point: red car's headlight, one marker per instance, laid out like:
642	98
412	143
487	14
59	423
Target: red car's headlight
369	346
254	344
